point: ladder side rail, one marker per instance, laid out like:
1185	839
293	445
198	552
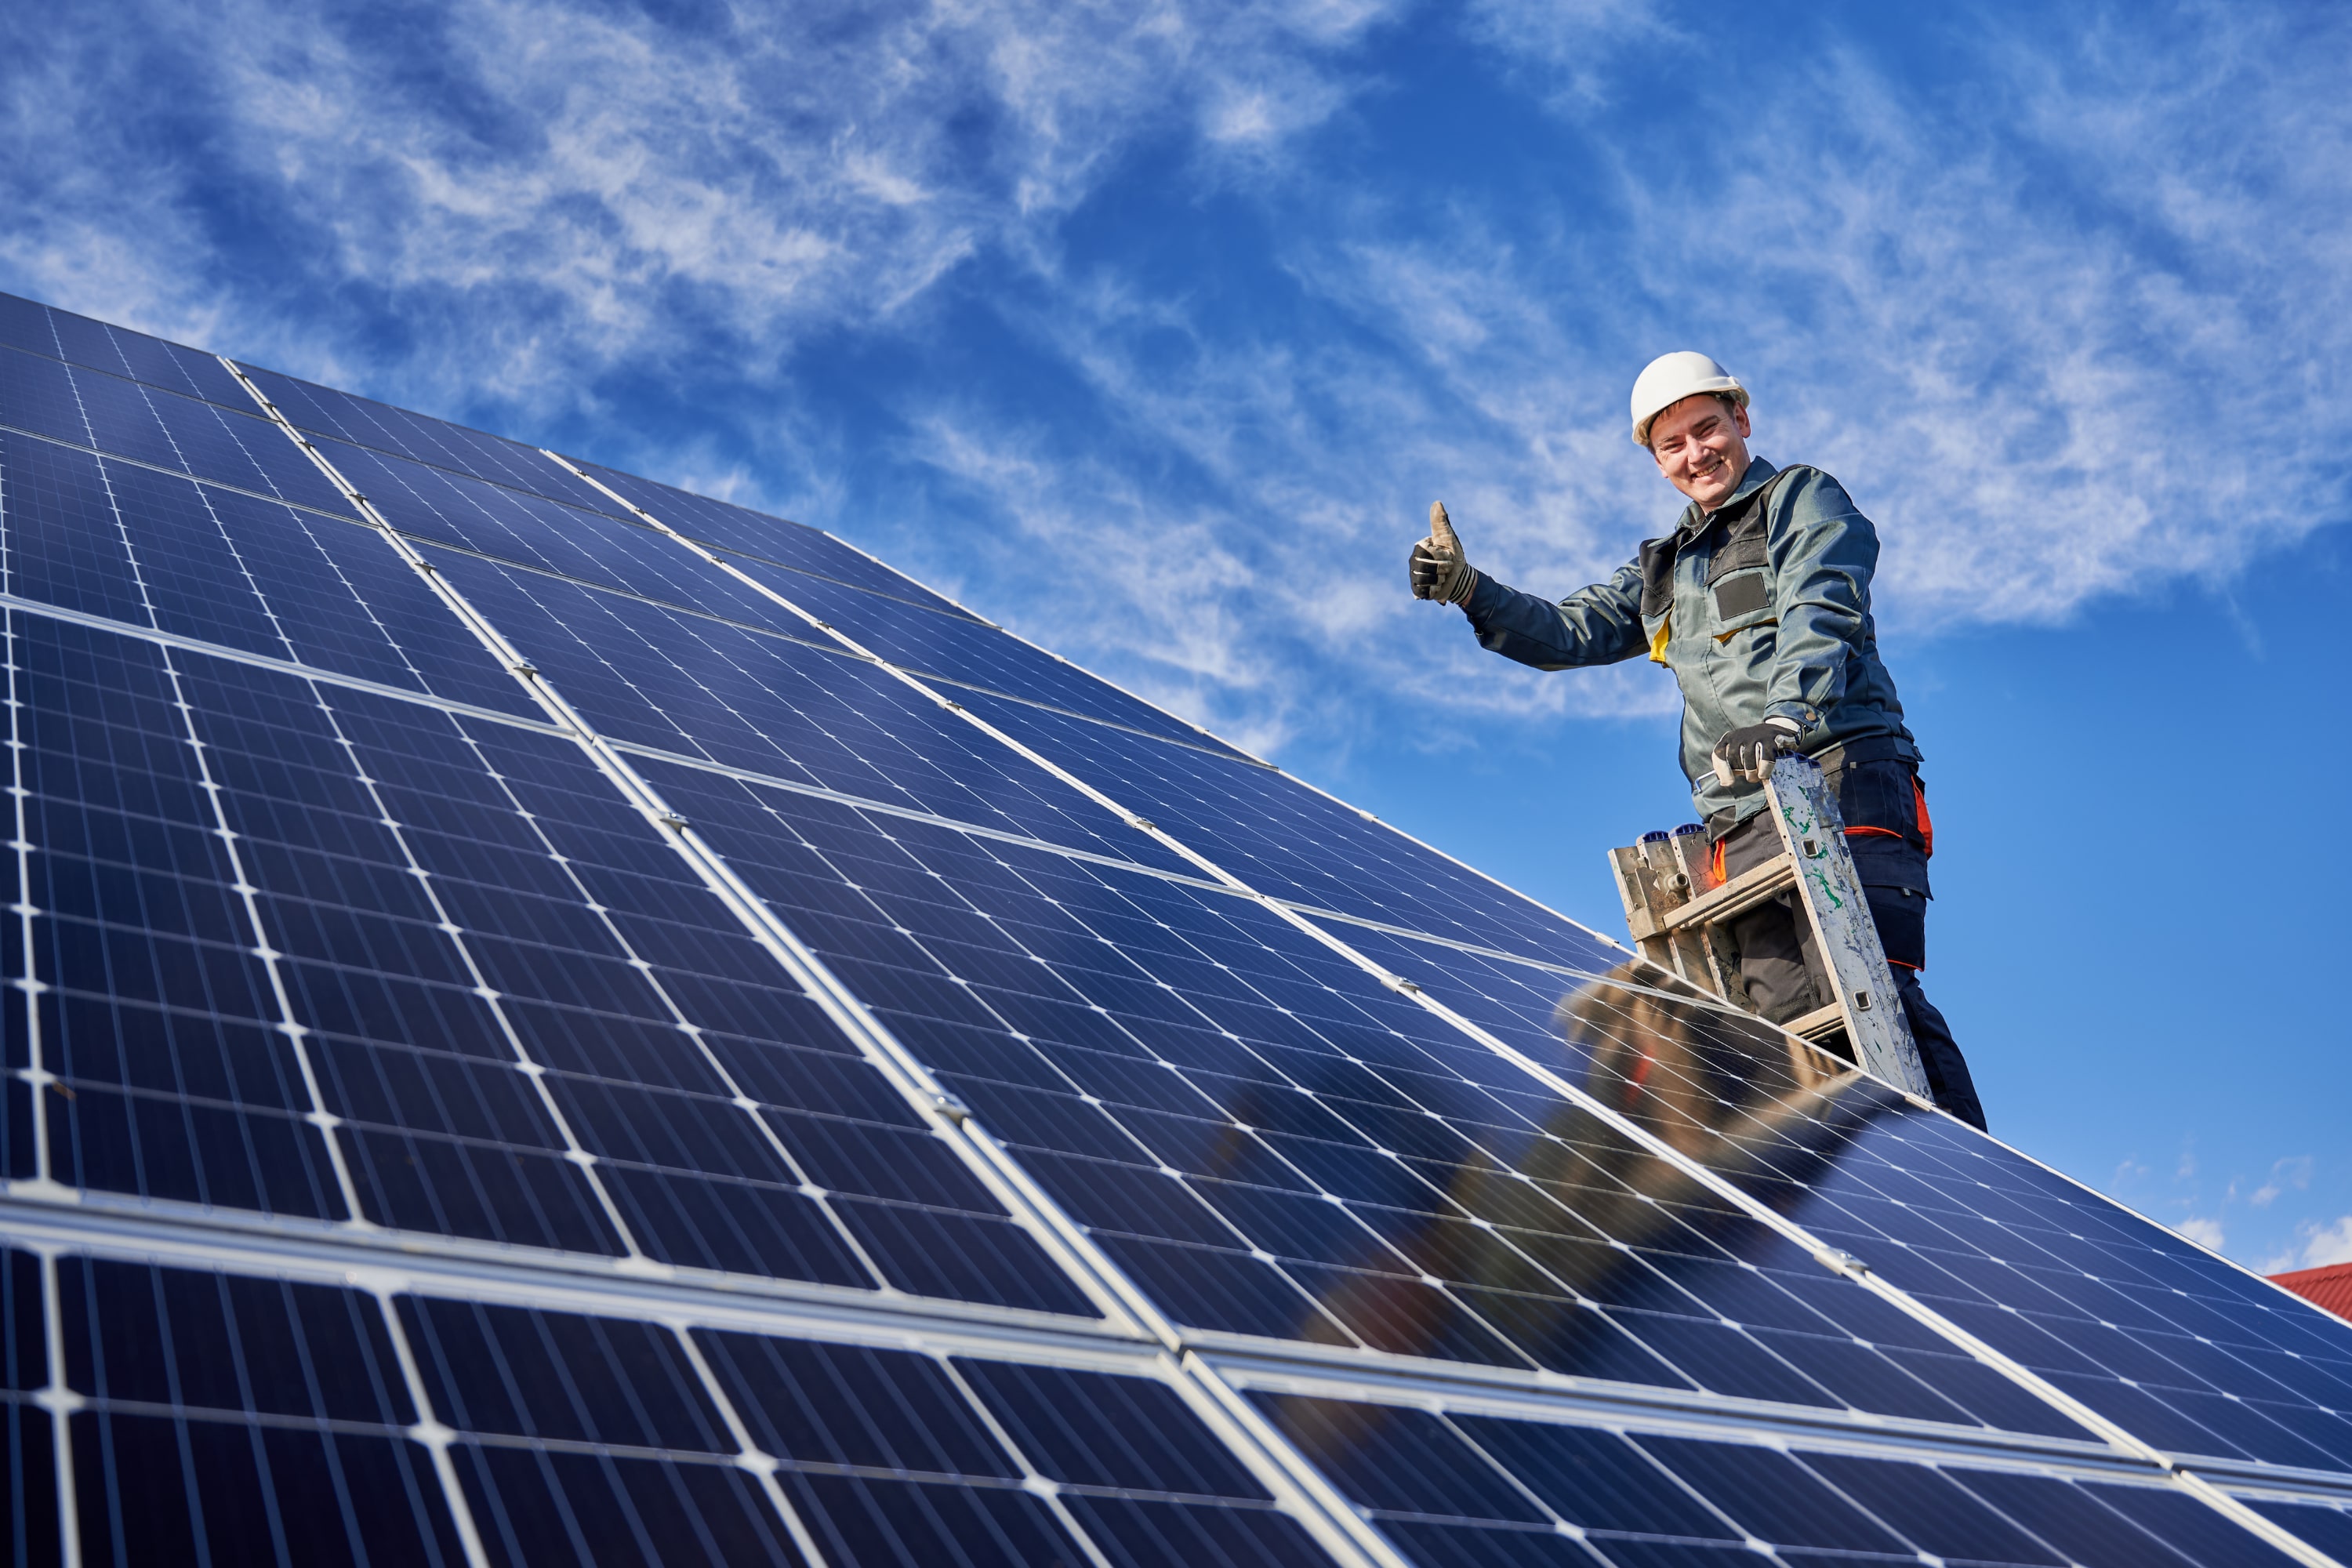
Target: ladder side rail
1829	886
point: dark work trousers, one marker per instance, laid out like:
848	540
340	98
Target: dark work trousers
1779	962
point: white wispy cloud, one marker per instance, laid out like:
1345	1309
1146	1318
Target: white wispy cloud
538	189
2204	1232
2072	326
2076	335
2317	1243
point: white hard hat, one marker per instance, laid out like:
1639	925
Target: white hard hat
1669	378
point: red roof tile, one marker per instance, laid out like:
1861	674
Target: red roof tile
2330	1287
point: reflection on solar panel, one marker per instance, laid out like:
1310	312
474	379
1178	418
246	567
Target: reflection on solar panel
555	1020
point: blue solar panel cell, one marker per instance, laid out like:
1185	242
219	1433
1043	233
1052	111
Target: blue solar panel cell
122	351
682	684
85	341
37	395
121	419
329	927
965	651
1328	1172
88	409
360	421
153	1488
541	1509
1091	1428
196	561
1291	842
529	530
173	1096
894	1192
561	1377
849	1406
2180	1349
1470	1488
25	325
136	1335
763	538
65	542
2326	1527
168	430
235	447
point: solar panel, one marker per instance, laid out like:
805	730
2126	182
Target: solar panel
557	1020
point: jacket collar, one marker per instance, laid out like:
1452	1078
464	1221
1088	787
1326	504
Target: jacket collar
1694	521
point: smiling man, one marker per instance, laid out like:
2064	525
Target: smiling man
1759	603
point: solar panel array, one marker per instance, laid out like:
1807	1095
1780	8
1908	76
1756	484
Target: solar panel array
556	1020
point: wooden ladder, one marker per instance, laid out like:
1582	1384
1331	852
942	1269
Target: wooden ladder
1675	907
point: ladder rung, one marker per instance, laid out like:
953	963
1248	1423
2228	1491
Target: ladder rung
1738	896
1821	1021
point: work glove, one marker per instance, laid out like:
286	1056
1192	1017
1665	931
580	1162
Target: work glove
1438	570
1746	752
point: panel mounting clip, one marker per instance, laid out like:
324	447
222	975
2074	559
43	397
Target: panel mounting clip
951	1108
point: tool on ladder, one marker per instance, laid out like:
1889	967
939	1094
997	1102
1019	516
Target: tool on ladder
1674	907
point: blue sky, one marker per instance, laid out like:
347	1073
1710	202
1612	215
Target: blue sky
1150	330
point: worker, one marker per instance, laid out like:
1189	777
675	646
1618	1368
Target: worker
1759	603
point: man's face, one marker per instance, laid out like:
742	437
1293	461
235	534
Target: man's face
1701	444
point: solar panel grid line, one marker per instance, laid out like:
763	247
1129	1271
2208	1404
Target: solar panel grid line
296	668
331	1125
1832	1258
907	814
156	468
1032	1479
394	1261
318	1116
2298	1304
57	1397
1320	1370
1241	1414
2075	1259
439	444
450	1431
1466	1390
1226	879
707	853
1004	1176
1112	805
1219	750
171	366
150	427
623	591
795	960
716	558
717	1065
1085	1260
747	1454
1430	1475
36	1073
580	471
437	1438
1845	1264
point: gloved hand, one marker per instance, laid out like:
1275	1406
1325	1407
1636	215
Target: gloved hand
1438	570
1747	752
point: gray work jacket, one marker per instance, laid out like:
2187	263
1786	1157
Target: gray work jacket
1762	609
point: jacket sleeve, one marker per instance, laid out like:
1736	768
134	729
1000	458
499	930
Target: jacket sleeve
1600	625
1823	553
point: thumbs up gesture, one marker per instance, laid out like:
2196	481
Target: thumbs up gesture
1437	566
